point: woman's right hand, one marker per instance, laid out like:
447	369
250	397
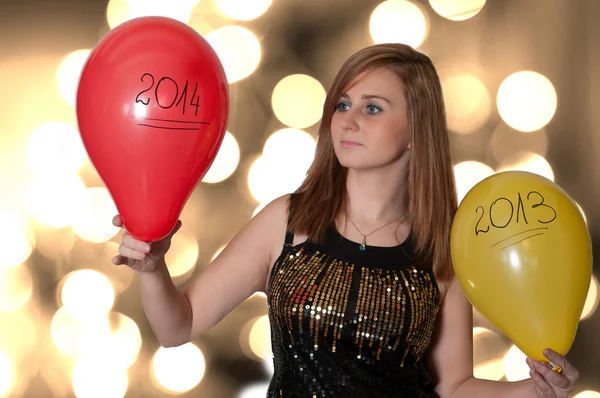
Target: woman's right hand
142	256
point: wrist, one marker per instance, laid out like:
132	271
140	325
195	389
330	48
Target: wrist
157	269
527	388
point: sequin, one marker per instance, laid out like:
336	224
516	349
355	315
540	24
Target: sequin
367	326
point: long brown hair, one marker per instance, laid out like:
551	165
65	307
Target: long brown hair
431	193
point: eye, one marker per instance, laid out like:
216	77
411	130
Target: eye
373	109
342	107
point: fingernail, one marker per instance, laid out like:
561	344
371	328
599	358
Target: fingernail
538	365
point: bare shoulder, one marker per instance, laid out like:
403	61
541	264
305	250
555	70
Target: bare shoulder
273	221
443	287
240	270
274	215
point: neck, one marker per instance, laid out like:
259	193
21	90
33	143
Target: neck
376	195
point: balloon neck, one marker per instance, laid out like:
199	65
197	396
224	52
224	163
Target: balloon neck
555	368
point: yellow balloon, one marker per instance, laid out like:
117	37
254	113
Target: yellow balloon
523	256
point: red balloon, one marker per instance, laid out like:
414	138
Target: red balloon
152	108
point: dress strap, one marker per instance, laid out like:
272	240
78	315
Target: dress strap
289	235
289	239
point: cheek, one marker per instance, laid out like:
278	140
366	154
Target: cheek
333	126
391	136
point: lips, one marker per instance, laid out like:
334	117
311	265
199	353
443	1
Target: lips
350	144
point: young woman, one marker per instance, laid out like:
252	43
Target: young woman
356	263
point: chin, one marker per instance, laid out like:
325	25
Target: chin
358	162
362	161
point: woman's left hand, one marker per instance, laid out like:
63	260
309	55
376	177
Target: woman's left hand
550	383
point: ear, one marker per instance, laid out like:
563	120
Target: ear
409	145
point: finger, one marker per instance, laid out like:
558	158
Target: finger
117	221
120	260
558	360
131	253
552	377
545	388
529	362
135	244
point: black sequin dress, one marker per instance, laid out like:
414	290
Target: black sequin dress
350	323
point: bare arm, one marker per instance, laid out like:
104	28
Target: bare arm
241	269
166	307
451	356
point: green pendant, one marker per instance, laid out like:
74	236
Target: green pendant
363	245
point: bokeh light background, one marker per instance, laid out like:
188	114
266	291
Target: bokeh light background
521	83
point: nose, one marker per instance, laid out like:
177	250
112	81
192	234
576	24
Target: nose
348	121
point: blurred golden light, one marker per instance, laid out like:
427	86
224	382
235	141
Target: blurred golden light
219	250
183	254
591	302
287	155
515	367
457	10
255	339
505	141
259	208
16	286
117	12
256	390
54	201
468	174
398	21
117	346
176	9
68	73
6	375
120	276
205	18
527	161
587	394
17	240
269	180
298	100
87	294
55	148
260	338
54	243
20	339
238	50
75	338
226	161
467	103
487	346
93	379
93	221
526	101
290	146
179	369
243	10
125	340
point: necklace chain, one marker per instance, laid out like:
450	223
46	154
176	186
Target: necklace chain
363	245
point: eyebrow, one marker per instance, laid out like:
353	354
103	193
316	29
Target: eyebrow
368	96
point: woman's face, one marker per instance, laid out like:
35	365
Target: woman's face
369	127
